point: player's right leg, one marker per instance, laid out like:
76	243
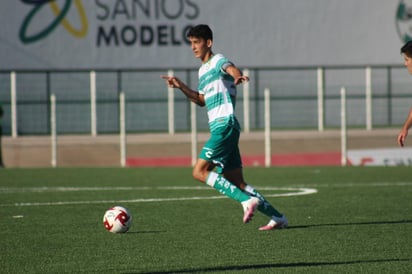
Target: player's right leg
202	171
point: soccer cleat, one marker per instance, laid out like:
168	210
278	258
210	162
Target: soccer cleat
249	207
275	223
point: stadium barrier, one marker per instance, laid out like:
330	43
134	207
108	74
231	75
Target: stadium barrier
384	103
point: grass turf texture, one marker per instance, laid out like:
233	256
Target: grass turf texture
359	221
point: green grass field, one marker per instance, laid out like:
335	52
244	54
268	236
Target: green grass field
358	221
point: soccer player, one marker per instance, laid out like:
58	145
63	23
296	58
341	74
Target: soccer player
219	164
406	51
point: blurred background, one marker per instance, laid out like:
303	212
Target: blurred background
86	54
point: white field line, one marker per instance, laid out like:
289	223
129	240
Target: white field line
74	189
291	192
381	184
68	189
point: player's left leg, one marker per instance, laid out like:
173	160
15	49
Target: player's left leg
202	172
215	153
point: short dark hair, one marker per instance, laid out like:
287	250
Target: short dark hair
201	31
407	49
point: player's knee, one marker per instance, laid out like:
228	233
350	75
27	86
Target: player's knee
196	174
199	175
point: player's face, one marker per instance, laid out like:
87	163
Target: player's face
408	63
201	48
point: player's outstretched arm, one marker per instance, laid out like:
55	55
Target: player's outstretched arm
404	131
236	74
192	95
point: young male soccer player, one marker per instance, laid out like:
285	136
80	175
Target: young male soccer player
406	51
218	78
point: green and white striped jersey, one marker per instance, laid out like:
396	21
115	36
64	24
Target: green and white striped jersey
219	91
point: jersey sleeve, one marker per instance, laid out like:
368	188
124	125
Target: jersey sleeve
223	63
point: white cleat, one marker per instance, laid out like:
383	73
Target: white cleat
275	223
249	207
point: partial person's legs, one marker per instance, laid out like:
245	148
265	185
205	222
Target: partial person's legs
202	172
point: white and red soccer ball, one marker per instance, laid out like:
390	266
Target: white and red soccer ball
117	219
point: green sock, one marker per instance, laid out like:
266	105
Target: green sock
226	188
265	207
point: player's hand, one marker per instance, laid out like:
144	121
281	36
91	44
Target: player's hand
241	79
171	81
401	137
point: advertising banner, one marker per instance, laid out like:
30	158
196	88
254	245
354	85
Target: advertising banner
381	157
152	33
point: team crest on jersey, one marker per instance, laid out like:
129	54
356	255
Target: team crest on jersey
209	153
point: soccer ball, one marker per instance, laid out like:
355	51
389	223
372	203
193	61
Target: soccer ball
117	219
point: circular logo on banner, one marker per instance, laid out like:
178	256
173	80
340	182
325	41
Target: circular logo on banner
60	18
404	20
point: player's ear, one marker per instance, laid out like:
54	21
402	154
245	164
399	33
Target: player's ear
209	43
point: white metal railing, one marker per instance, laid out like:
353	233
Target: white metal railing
194	139
246	105
122	117
343	135
171	102
193	135
171	105
368	97
93	108
268	147
193	120
320	94
53	130
13	96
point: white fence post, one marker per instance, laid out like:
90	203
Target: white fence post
268	149
321	92
368	99
343	126
122	107
53	130
13	91
246	107
193	124
93	115
171	106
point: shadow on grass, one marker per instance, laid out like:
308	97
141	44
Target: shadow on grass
299	226
146	232
279	265
351	224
